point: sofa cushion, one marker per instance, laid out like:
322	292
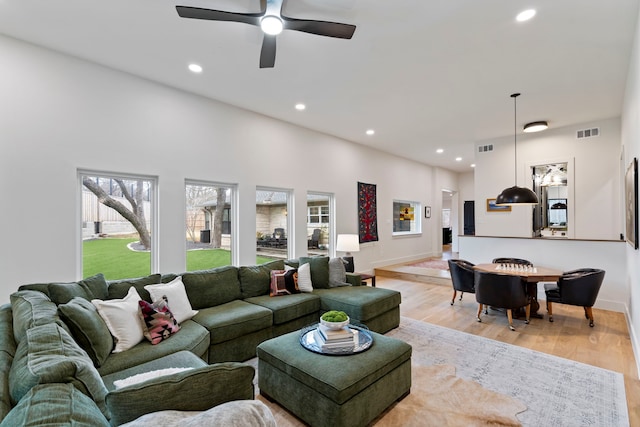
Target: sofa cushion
29	309
40	287
233	319
361	303
193	390
47	355
255	279
179	359
94	287
319	270
87	328
238	413
192	337
122	319
119	288
55	405
176	296
7	341
289	307
208	288
5	395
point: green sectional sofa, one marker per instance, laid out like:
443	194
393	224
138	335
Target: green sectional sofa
57	364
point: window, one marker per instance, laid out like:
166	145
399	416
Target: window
209	224
272	225
406	217
319	223
118	217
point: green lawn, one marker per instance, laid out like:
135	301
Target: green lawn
112	258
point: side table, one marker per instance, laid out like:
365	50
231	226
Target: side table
366	277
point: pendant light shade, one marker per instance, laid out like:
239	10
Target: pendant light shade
516	195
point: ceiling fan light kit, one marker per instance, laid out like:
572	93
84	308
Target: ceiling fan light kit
271	25
272	22
516	195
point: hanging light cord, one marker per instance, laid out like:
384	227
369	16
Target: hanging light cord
515	145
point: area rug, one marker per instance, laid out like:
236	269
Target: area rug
437	264
444	399
555	391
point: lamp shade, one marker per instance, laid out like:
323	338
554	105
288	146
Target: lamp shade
348	243
516	196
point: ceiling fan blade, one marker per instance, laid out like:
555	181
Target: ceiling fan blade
321	28
268	52
219	15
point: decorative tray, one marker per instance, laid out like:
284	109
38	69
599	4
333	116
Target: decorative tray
361	343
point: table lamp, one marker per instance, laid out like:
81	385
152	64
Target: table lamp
348	243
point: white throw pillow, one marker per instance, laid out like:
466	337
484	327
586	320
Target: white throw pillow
122	319
304	278
176	298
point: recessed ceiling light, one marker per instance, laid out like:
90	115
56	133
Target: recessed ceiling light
526	15
370	132
473	165
458	159
300	106
195	68
439	151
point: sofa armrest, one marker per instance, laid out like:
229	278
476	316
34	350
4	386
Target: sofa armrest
354	279
193	390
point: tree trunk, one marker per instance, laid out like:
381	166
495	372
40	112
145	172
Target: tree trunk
216	239
135	215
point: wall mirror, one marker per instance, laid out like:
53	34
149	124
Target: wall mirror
550	217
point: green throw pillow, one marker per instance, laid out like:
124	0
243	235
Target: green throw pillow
88	328
55	405
319	270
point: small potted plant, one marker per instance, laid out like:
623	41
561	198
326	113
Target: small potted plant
334	319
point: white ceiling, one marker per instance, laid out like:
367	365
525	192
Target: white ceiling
423	74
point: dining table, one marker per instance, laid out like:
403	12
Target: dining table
531	275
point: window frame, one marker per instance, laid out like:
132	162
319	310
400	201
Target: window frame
154	228
416	230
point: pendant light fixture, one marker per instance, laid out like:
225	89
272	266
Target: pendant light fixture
516	195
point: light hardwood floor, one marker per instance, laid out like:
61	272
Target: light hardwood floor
606	345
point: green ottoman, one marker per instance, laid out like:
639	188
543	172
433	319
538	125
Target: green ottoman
334	391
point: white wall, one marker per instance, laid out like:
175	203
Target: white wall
631	149
559	254
594	204
58	113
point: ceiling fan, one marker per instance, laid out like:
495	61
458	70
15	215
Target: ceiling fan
272	22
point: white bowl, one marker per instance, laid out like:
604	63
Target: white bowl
334	325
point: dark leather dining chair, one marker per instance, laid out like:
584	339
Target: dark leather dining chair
501	291
576	287
461	277
518	261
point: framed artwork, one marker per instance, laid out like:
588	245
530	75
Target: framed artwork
491	207
631	203
427	211
367	213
